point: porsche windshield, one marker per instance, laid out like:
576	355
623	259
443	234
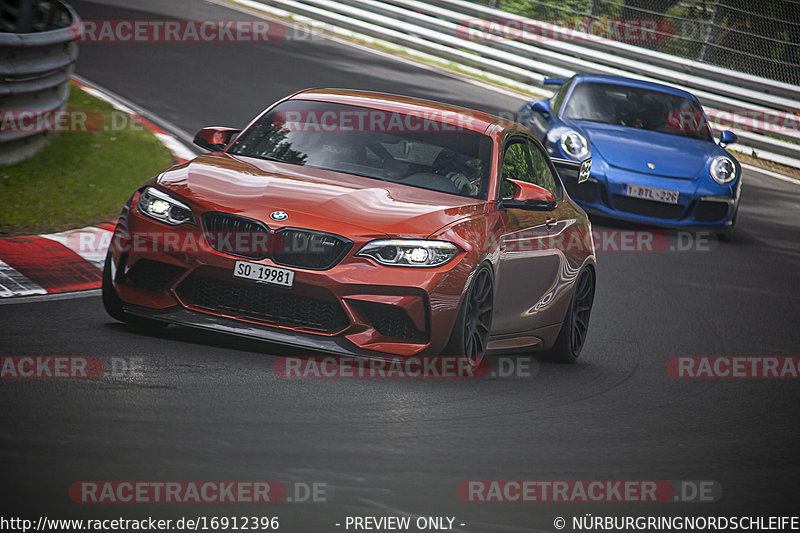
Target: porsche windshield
634	107
422	151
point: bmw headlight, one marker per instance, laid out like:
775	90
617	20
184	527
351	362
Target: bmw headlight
723	170
574	145
164	208
409	253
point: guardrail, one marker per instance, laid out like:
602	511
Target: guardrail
764	113
35	69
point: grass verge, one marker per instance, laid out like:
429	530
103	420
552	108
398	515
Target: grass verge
79	178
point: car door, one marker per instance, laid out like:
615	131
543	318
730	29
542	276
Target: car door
529	265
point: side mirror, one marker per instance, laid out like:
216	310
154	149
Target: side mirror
214	139
529	196
727	137
542	106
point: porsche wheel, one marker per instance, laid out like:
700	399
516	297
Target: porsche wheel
470	336
572	336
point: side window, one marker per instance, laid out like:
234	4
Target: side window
517	165
524	161
543	175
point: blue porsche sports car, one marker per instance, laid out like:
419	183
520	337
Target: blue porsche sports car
654	159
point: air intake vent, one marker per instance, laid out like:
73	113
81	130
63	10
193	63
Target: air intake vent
256	301
392	321
151	275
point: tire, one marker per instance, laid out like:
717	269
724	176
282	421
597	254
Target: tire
572	336
470	335
114	304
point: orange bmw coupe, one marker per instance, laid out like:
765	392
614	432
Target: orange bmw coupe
362	223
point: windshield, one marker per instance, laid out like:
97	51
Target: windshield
419	151
633	107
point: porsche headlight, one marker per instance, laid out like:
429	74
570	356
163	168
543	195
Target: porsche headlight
164	208
409	253
723	170
574	145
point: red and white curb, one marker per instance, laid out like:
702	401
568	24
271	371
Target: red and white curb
70	260
55	263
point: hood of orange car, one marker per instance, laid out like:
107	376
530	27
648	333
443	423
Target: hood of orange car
313	198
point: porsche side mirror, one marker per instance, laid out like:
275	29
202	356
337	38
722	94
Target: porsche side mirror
529	196
542	106
214	139
727	137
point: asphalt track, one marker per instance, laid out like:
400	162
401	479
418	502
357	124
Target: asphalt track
206	407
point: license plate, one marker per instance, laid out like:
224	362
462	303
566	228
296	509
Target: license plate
263	273
651	193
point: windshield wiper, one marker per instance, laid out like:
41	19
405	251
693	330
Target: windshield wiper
264	157
270	158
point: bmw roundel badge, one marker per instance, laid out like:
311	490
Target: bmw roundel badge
278	215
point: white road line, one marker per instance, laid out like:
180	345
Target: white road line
50	297
128	106
176	147
771	174
171	141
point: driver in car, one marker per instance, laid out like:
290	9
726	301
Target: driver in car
463	174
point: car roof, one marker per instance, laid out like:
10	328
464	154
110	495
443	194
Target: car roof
631	82
450	114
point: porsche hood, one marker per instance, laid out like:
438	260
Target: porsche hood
648	152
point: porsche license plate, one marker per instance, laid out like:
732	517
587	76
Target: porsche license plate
651	193
263	273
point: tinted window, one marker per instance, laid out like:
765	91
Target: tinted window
542	175
638	108
522	161
418	151
517	165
